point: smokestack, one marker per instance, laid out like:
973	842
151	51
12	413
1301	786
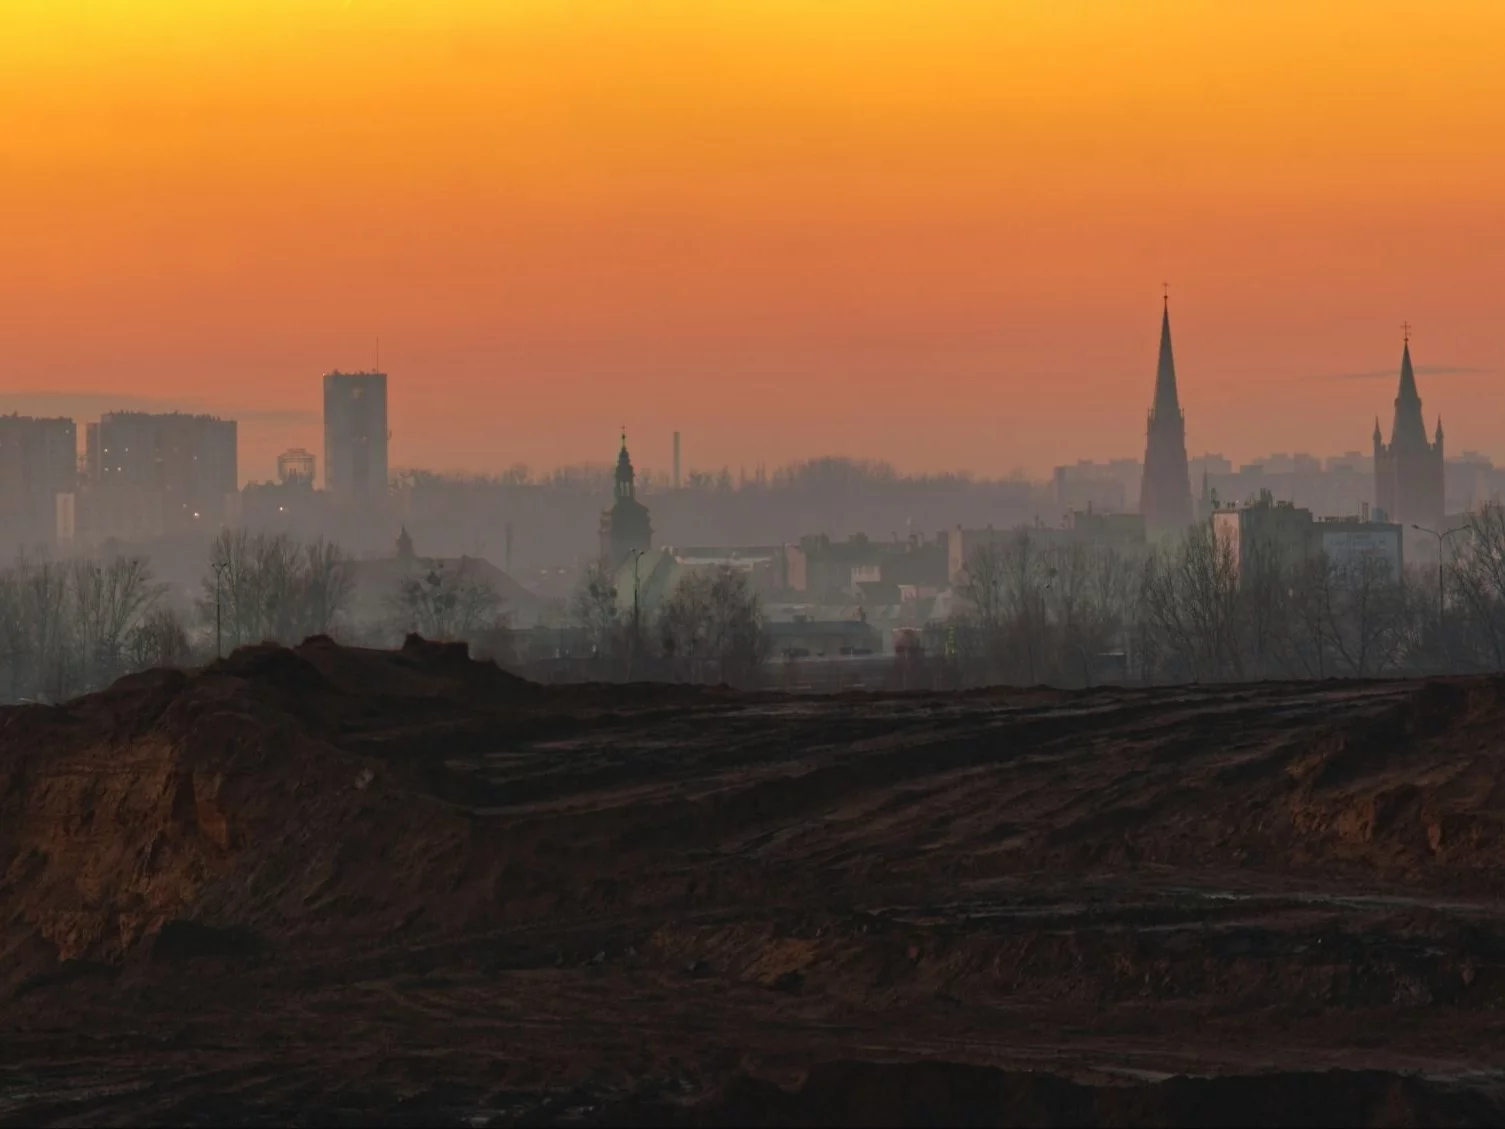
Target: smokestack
676	460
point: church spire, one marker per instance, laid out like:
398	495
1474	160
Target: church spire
1167	402
626	477
1165	495
1408	429
1409	475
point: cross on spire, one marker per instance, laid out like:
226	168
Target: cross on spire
1165	288
1405	328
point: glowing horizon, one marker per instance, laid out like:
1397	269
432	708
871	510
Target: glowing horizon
928	234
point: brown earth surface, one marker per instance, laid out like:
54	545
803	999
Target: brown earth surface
325	886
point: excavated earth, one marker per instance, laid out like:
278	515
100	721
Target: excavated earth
330	886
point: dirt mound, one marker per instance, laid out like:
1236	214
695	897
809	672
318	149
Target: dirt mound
217	799
462	897
944	1093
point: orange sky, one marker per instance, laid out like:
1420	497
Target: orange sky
930	232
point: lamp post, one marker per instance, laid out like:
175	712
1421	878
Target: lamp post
632	655
219	645
1441	537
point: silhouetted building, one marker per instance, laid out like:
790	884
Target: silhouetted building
1337	485
1087	485
825	568
355	435
38	462
625	528
1123	533
295	467
1112	487
1165	498
376	584
1278	534
151	472
1408	472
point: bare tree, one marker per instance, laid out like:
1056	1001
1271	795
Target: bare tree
1371	616
160	640
712	621
1006	614
43	591
1089	592
327	587
1309	643
984	619
1189	604
111	599
271	588
1034	612
448	603
1479	580
234	601
66	627
596	611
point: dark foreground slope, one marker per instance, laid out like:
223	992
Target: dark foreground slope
326	885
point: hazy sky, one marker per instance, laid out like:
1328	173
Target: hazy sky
932	232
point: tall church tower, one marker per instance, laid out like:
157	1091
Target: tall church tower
1165	496
1408	483
625	527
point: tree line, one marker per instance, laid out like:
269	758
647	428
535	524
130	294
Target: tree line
709	628
1029	612
1197	610
68	627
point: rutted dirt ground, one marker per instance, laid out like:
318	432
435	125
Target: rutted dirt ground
324	885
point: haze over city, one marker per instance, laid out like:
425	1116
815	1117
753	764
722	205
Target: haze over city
752	562
932	234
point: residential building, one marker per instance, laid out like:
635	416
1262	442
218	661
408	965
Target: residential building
154	472
1085	486
377	583
823	567
38	463
1124	533
1279	533
355	436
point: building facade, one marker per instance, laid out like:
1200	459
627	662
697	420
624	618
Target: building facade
1165	497
296	467
184	466
355	436
1277	533
38	462
1408	471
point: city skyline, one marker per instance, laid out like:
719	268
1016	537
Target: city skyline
931	238
275	430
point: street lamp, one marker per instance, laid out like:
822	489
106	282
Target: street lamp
1441	537
219	572
632	657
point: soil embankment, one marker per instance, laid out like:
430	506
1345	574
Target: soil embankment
330	885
